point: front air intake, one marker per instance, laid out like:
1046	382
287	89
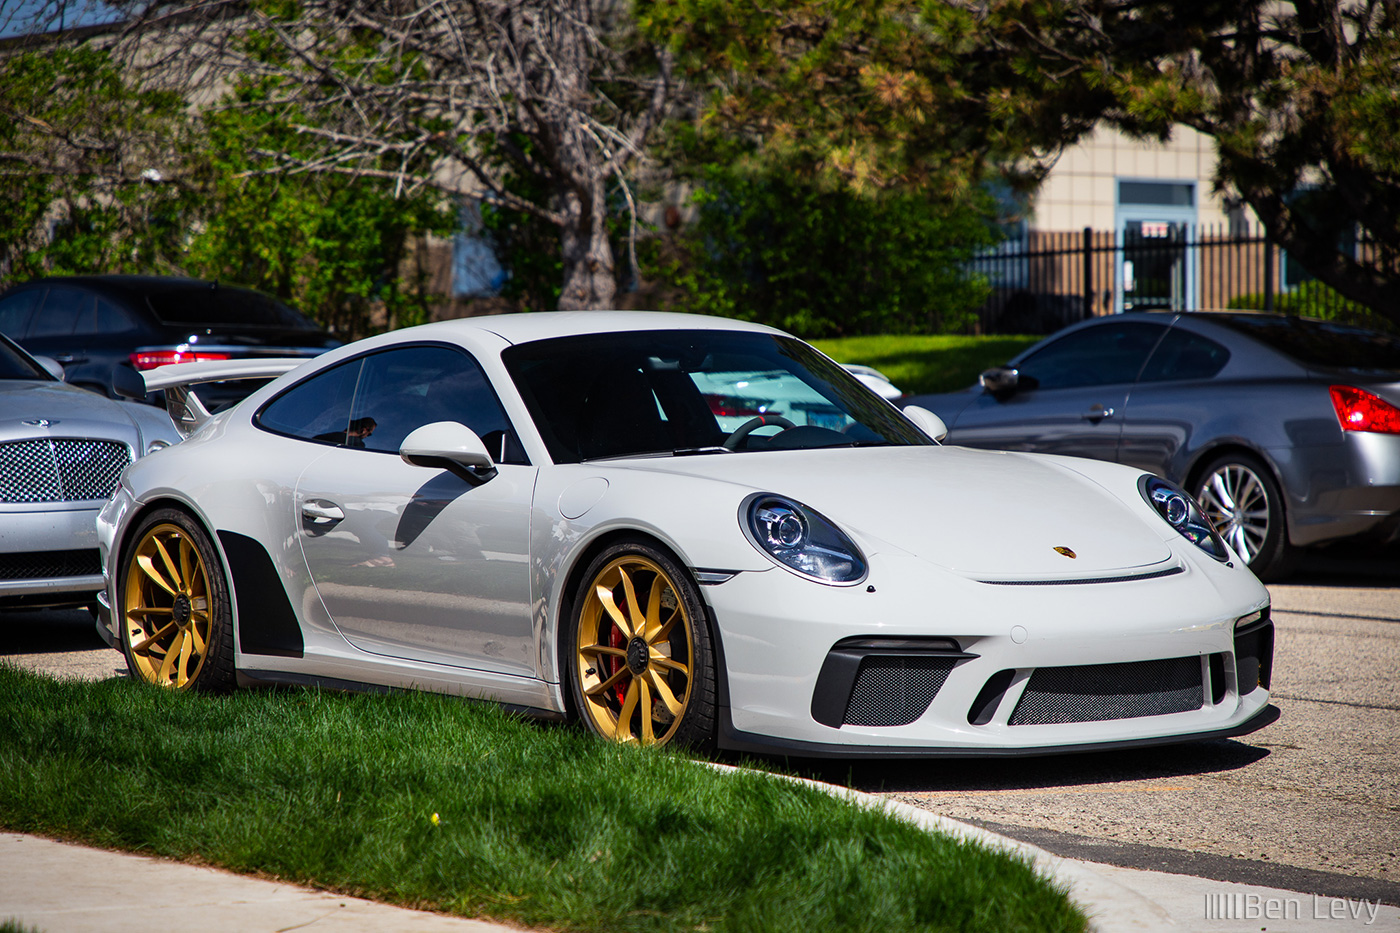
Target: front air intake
1100	692
895	691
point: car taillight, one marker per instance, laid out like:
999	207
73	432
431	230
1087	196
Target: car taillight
150	359
1358	410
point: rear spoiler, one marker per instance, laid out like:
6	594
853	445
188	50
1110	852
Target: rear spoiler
186	410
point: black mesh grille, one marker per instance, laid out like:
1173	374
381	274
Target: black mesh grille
1110	691
60	469
42	565
895	691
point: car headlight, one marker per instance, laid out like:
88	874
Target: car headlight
802	540
1181	512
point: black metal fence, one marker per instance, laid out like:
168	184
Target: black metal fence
1046	280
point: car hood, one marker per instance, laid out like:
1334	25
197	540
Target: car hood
71	412
992	515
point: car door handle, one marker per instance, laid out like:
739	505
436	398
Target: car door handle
70	358
320	512
1097	413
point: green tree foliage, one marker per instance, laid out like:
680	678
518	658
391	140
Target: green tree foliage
826	261
84	176
1314	299
100	175
842	152
340	248
892	94
1297	96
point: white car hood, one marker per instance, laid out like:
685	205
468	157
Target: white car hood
990	515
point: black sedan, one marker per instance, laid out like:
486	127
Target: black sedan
1285	429
92	324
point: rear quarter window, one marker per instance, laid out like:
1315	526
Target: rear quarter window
1184	355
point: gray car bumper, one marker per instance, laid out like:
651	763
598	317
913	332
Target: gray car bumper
48	556
1342	490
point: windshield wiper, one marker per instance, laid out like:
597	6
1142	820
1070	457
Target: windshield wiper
697	451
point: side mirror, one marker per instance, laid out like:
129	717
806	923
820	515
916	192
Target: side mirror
128	383
926	421
1000	380
447	445
51	366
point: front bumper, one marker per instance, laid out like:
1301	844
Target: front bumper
48	556
776	633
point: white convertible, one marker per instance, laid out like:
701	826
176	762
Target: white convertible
679	530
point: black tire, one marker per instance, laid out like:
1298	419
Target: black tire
1245	503
173	606
653	685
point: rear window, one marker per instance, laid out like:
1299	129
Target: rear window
221	305
1319	343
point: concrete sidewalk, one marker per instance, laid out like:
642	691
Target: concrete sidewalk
55	887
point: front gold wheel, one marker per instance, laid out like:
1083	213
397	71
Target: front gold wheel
173	613
640	676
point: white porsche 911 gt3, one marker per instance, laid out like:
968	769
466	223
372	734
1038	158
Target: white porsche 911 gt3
680	530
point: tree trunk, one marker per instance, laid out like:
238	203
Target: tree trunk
590	281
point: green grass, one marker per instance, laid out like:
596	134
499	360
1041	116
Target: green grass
432	802
920	364
14	926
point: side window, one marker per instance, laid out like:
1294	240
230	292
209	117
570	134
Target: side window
317	409
1184	355
1105	355
106	318
15	311
404	389
60	312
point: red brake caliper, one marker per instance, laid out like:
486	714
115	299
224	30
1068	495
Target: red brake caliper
616	640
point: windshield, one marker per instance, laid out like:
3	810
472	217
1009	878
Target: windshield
692	392
16	364
1320	343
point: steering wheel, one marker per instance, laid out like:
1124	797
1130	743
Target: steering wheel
753	424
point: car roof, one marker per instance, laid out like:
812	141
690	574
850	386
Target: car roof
129	285
524	327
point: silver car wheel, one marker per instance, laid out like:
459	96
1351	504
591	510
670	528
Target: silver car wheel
1237	503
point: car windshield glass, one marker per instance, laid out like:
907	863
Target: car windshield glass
202	306
1320	343
14	364
695	392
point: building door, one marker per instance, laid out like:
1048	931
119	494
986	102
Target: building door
1156	270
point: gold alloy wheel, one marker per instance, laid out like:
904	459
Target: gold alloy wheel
166	608
634	652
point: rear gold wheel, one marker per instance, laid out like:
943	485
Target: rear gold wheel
641	669
176	628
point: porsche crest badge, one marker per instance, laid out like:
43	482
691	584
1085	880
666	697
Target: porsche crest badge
1066	552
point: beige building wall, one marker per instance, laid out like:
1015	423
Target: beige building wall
1081	190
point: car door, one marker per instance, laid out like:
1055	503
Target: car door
418	563
51	328
1175	397
1071	394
